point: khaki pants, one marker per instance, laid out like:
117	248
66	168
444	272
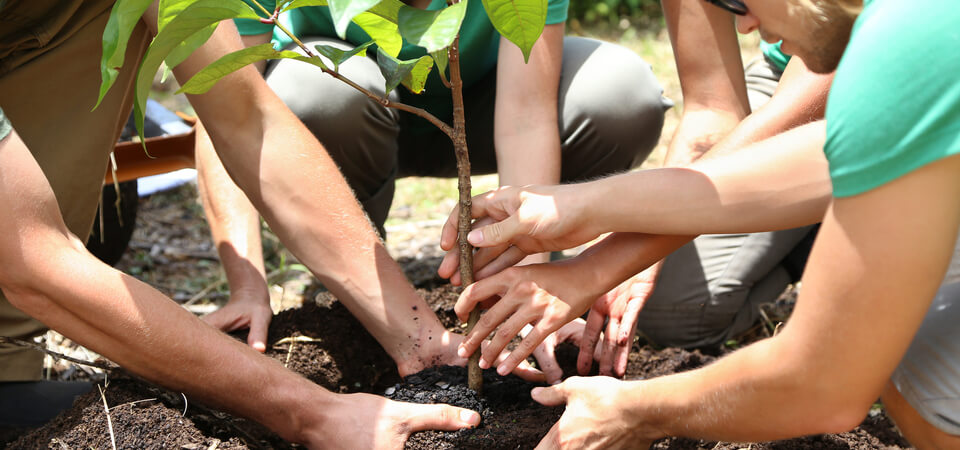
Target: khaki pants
47	90
610	113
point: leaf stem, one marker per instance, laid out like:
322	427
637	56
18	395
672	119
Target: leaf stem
382	100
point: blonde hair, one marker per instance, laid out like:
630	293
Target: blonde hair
826	10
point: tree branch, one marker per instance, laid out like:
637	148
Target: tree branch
55	355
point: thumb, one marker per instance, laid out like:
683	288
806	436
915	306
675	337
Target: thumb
496	233
550	396
441	417
257	338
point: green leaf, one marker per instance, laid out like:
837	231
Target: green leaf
413	73
441	59
337	56
343	11
170	9
203	80
383	32
195	17
123	18
520	21
387	9
432	30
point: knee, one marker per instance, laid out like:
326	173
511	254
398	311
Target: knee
914	427
612	91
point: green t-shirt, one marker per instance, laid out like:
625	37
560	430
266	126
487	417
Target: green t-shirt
894	105
5	126
479	43
775	54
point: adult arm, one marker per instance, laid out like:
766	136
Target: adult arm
707	55
49	275
779	183
877	264
288	176
235	228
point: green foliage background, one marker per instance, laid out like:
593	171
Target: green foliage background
602	13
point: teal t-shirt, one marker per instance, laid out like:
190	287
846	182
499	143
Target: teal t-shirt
775	54
5	126
479	44
894	105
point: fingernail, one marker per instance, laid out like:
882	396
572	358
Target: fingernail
502	370
462	352
470	417
260	347
475	237
483	364
536	392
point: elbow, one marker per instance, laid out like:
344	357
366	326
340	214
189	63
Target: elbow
831	402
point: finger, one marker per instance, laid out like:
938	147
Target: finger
448	235
257	338
496	233
476	293
221	320
552	440
588	344
509	328
529	373
547	359
450	264
525	348
620	358
483	256
509	258
439	417
487	323
629	321
609	346
550	396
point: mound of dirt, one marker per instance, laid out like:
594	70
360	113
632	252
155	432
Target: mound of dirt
323	342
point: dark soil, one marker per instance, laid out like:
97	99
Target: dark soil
323	342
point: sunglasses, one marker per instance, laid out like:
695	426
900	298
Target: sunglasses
734	6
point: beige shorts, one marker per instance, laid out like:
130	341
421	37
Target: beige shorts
49	82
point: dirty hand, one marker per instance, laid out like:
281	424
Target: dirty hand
596	416
443	351
515	222
245	310
619	308
546	296
370	421
545	353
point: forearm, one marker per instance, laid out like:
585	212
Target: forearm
741	398
779	183
292	181
234	222
620	256
526	135
146	333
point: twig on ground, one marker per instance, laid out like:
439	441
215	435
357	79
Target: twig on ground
40	348
289	353
135	402
106	409
184	404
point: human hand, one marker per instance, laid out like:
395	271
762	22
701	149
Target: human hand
619	308
546	296
596	416
245	310
370	421
512	223
442	350
545	353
